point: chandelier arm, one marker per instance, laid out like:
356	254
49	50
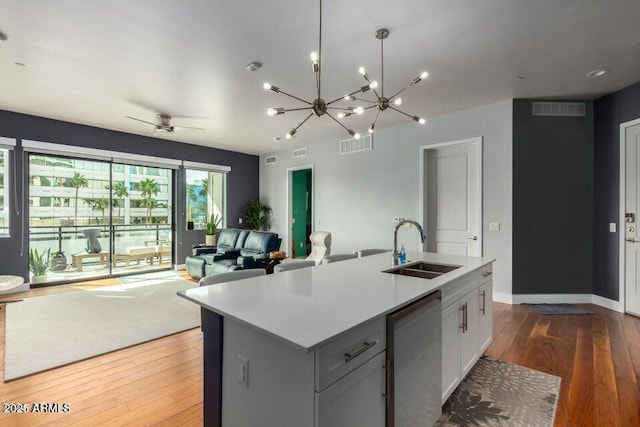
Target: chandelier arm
286	110
400	91
343	109
319	51
401	112
365	100
294	97
372	106
381	67
301	123
349	95
373	125
338	122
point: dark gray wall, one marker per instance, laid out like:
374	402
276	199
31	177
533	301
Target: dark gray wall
610	112
552	202
243	180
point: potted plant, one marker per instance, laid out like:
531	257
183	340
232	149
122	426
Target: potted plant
58	261
211	228
258	215
39	265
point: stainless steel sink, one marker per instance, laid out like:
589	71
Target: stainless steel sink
423	270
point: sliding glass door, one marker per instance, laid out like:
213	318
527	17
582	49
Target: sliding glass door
91	218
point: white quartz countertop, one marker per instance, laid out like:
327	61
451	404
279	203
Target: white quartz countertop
310	306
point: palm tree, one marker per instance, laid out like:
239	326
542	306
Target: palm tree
100	204
119	192
191	198
149	188
76	181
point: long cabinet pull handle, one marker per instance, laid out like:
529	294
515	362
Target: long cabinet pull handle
464	317
348	357
484	298
487	273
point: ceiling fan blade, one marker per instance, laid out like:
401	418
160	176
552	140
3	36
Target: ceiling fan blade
140	120
187	128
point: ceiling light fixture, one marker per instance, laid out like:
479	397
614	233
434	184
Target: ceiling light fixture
3	37
596	73
382	103
318	106
253	66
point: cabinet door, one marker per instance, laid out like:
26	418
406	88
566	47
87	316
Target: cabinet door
485	315
358	399
451	321
469	335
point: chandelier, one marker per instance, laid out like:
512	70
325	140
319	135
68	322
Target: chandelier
382	102
318	106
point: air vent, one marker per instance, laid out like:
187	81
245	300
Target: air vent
300	152
271	160
565	109
352	145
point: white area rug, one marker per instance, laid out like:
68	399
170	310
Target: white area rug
54	330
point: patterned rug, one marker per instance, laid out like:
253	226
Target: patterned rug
497	393
558	309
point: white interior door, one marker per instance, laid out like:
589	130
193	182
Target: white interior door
454	199
632	237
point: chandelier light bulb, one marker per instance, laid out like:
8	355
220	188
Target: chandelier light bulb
397	101
266	86
347	98
288	135
424	75
362	71
371	128
421	121
271	112
373	84
314	57
358	110
341	115
356	135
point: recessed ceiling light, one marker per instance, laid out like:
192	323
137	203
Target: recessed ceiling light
3	37
596	73
276	138
19	64
518	78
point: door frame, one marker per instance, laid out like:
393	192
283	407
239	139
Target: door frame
289	201
475	141
622	288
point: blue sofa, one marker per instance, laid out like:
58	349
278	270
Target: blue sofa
236	249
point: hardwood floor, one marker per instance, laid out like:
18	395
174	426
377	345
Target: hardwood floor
160	382
597	357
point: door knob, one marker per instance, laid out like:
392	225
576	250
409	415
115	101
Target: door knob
473	238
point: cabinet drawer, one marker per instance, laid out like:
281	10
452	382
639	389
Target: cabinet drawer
459	288
341	356
486	273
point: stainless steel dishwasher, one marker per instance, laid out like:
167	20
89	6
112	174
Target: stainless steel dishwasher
414	363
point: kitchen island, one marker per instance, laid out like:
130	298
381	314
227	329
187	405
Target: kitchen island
275	346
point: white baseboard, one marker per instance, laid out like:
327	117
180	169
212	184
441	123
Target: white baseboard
608	303
559	299
502	297
179	267
553	298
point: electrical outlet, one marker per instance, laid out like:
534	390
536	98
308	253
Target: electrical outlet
243	371
239	220
612	227
494	226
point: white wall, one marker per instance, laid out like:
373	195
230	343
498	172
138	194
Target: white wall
357	195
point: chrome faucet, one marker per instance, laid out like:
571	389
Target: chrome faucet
395	236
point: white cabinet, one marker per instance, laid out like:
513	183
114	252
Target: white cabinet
358	399
485	315
467	326
459	341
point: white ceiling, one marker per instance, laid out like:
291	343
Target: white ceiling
94	62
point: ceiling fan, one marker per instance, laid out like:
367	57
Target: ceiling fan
164	124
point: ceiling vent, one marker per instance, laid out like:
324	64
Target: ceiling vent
352	145
271	160
300	152
563	109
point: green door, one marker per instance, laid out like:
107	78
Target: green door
301	209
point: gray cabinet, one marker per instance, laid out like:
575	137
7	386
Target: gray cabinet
357	399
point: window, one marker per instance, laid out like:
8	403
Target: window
206	193
4	192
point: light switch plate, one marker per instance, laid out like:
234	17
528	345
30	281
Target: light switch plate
612	227
494	226
243	371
